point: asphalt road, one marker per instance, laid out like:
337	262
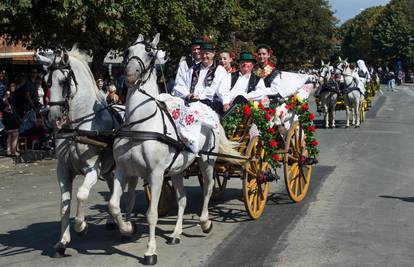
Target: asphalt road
358	211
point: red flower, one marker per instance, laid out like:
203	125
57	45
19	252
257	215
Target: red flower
175	114
267	117
314	143
261	105
312	128
305	107
271	111
290	106
311	116
246	111
275	157
189	119
272	131
273	143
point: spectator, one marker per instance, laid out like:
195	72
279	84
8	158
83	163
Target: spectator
391	81
11	122
3	83
19	98
31	95
40	92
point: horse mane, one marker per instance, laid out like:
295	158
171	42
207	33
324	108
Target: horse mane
81	57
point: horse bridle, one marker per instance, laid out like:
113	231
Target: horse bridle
67	84
327	72
143	69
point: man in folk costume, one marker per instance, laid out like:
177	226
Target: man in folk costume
265	68
189	61
363	74
204	80
245	85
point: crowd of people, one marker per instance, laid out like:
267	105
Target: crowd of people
23	102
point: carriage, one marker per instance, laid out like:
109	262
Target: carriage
256	172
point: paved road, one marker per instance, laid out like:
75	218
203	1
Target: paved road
357	211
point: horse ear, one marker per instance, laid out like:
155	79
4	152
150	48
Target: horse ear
346	60
329	63
140	38
42	59
322	63
340	59
156	40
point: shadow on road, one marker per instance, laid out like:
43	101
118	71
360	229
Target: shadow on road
406	199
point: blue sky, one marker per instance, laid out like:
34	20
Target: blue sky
346	9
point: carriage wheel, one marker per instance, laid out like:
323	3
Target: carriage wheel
362	113
165	204
219	187
297	174
255	185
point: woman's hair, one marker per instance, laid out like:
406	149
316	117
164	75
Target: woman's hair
264	46
112	88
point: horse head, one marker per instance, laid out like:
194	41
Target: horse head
61	81
325	72
342	66
141	58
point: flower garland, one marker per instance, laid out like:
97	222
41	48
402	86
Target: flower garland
269	135
301	108
261	116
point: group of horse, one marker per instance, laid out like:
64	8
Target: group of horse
340	81
143	145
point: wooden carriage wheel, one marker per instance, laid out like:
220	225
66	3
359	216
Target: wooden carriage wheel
255	185
166	199
219	187
362	112
297	174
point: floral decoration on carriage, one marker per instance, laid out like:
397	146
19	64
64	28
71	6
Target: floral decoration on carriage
262	114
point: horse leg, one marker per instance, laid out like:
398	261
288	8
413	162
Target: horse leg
178	185
208	183
347	114
357	111
65	185
132	184
326	114
109	179
126	228
156	180
81	227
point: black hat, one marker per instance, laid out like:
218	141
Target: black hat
246	56
207	47
197	41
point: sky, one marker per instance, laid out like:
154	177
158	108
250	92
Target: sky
346	9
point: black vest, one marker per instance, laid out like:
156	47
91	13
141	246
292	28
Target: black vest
269	78
253	81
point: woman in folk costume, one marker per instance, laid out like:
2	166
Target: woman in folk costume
226	60
363	75
245	85
204	80
265	68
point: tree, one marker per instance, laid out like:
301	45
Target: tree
299	31
357	33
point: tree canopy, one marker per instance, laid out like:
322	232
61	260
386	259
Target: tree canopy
299	31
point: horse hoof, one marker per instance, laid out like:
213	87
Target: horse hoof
59	251
173	241
207	231
150	260
347	126
110	226
356	126
83	232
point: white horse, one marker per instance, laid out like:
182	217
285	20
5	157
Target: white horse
353	96
77	105
140	152
328	94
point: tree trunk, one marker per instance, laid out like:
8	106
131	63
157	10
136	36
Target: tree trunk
97	63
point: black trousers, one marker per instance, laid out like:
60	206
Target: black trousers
238	100
216	105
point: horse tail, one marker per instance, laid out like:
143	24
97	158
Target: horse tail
229	148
